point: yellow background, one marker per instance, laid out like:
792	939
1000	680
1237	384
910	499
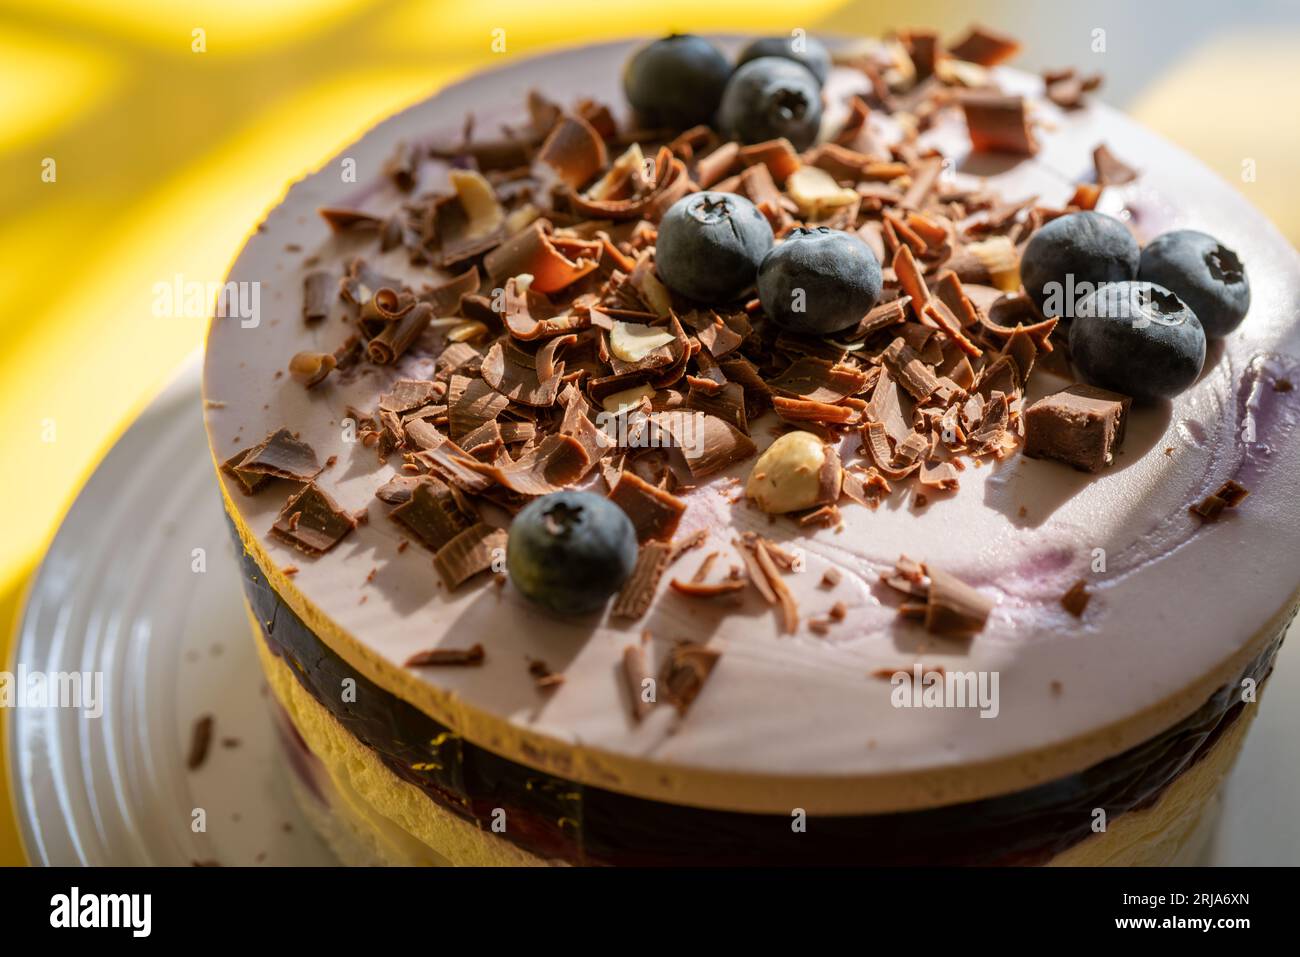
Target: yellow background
165	155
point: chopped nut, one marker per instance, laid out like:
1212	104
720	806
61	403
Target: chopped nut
631	162
632	341
311	368
788	476
816	193
617	403
993	262
479	201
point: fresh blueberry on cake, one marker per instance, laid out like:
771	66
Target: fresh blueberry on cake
677	81
1078	251
726	452
773	97
570	551
1204	273
818	280
710	244
805	50
1139	339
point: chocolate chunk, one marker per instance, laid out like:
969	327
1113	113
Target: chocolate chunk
985	47
1229	495
654	512
1081	425
1076	599
1111	170
398	489
312	522
998	123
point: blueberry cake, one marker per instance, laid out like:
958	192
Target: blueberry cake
763	451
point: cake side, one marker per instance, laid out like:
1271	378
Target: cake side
801	720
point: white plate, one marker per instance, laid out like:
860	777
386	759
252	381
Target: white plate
117	593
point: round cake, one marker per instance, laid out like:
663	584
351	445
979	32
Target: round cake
614	488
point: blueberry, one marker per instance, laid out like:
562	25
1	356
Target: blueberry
570	550
710	245
677	81
818	280
769	98
1070	250
802	49
1203	273
1137	338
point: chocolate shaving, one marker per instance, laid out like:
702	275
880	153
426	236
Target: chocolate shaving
757	554
200	742
435	512
249	482
952	607
635	675
318	290
574	151
407	394
707	443
533	252
347	220
506	370
312	522
398	489
398	336
906	366
684	673
470	404
280	455
819	380
694	589
401	167
470	552
557	461
1111	170
881	317
445	657
638	591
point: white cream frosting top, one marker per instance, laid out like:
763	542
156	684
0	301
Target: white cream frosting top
803	721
